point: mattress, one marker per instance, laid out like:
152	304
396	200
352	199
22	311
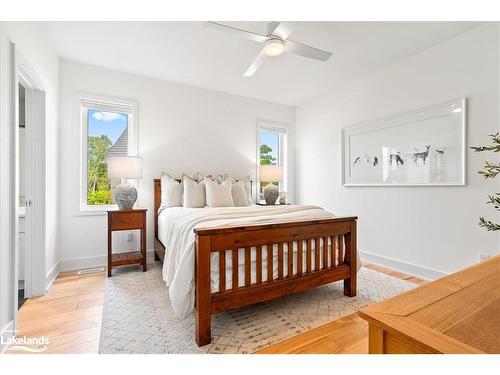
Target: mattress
175	231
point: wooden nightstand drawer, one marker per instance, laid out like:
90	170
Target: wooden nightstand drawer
130	220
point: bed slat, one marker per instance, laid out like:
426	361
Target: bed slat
290	258
317	251
280	260
235	267
333	250
222	271
341	250
308	255
248	264
270	262
299	257
325	253
258	264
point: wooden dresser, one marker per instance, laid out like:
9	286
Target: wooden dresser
459	313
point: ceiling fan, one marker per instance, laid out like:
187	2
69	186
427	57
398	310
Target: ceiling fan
275	42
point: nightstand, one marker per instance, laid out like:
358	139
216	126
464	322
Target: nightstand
127	220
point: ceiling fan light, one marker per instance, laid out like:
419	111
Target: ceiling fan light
274	47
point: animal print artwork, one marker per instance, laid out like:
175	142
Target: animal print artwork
421	155
421	147
397	158
397	165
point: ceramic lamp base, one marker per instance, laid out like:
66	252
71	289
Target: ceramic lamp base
270	192
125	196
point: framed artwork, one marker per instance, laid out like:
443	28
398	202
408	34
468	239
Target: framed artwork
425	147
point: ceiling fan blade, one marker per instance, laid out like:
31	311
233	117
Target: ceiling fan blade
255	64
297	48
271	26
233	30
281	29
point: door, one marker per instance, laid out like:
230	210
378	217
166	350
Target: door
35	193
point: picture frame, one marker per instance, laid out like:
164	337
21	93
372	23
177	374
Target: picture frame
424	147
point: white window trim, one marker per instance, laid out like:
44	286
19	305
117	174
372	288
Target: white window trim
284	130
105	103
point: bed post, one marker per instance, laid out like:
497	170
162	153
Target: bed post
157	202
351	259
203	291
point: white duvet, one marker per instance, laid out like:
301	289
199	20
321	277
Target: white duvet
175	231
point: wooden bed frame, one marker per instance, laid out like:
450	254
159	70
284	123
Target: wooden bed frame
340	231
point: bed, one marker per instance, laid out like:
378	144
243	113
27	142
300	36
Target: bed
219	259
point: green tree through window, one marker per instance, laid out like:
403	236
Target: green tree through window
98	185
107	135
266	157
268	152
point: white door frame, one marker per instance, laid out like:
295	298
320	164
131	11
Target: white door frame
35	186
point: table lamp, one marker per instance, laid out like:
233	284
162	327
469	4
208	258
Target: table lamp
125	167
270	174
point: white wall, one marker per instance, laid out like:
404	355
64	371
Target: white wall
422	228
181	129
31	41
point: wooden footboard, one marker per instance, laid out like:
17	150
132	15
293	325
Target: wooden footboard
323	251
328	245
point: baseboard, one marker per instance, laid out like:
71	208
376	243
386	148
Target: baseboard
424	273
76	264
6	334
51	276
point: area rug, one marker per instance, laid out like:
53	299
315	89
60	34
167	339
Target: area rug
138	318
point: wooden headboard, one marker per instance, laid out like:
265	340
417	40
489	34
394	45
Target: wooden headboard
157	195
157	203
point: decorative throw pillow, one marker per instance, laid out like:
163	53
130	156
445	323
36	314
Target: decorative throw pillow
219	178
171	191
247	182
194	192
239	194
200	177
219	195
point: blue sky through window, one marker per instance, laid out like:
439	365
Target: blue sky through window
272	140
111	124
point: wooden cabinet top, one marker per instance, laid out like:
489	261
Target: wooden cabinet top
126	211
459	313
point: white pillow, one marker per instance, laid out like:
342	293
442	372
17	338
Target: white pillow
219	195
171	191
194	192
219	178
248	189
239	194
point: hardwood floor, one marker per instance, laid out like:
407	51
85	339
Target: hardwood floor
69	315
348	335
71	312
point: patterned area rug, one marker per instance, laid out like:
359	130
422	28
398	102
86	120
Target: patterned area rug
138	318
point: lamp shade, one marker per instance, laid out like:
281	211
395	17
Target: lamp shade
271	173
124	167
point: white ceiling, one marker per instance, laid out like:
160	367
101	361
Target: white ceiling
190	53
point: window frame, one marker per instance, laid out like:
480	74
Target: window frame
283	152
108	104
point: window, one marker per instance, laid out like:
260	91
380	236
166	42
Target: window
272	151
107	130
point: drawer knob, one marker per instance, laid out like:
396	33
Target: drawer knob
127	220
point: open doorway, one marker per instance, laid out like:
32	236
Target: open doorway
29	183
